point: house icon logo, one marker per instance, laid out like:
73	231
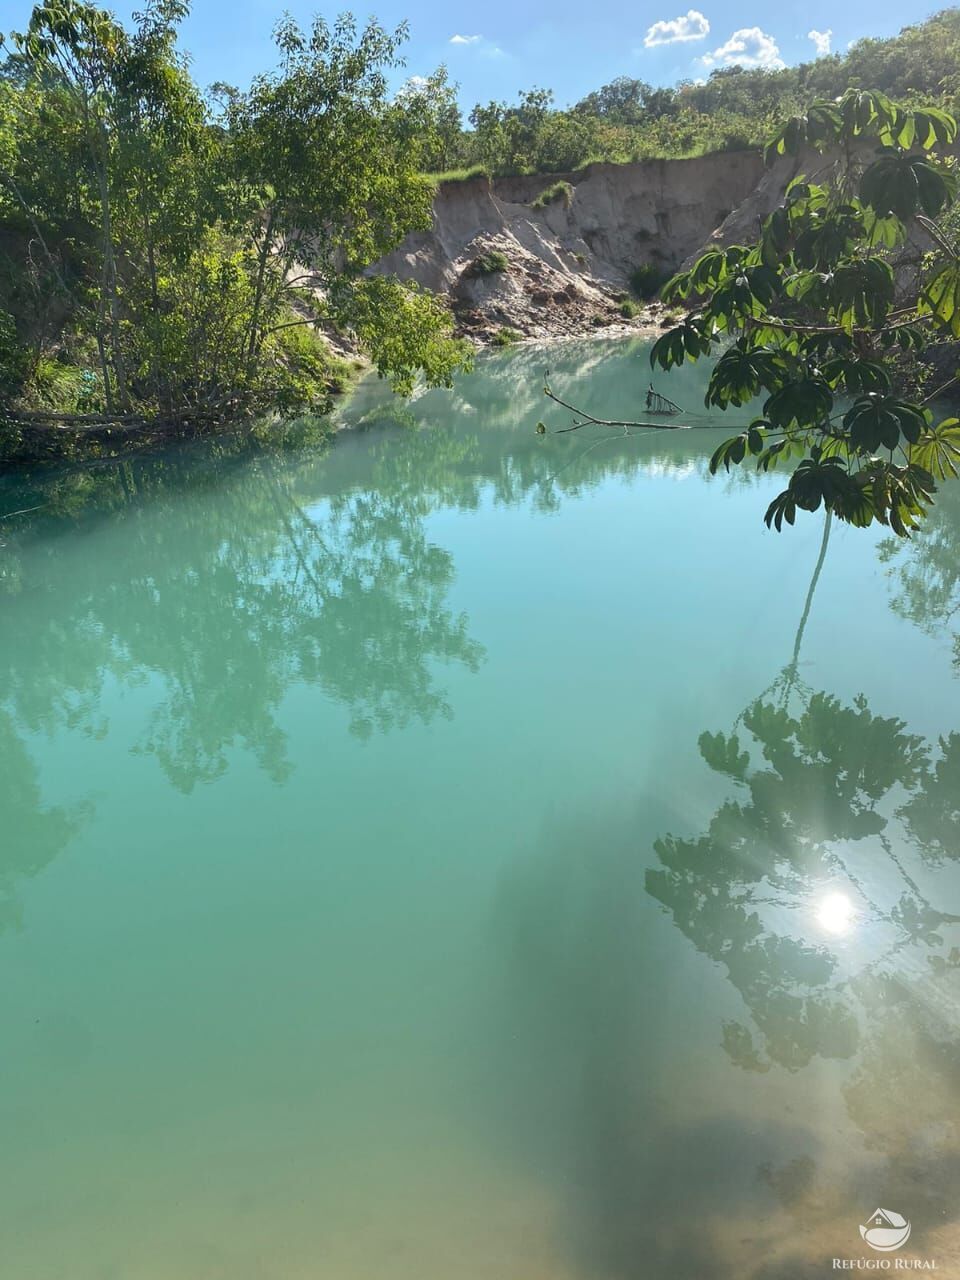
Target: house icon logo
886	1230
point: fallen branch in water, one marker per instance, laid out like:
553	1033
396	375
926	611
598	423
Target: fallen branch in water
43	436
73	419
210	409
657	403
589	420
8	515
93	421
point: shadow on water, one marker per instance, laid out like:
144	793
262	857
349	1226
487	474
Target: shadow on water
819	890
593	1102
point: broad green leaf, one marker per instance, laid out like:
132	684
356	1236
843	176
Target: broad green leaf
855	505
783	507
686	341
938	450
941	297
861	292
932	126
882	232
805	402
906	185
817	481
876	421
740	374
855	375
826	236
730	453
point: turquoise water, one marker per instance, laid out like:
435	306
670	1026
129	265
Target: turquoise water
468	853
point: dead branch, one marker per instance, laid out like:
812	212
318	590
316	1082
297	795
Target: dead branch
589	420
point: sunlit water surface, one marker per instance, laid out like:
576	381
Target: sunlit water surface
468	854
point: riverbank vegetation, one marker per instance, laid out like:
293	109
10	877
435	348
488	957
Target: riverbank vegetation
167	255
732	109
854	278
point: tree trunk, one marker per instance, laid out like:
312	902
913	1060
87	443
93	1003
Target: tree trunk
109	282
258	293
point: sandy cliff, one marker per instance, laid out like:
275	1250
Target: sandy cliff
569	262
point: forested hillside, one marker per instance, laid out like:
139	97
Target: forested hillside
733	108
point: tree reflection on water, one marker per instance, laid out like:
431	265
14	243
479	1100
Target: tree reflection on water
837	807
822	889
232	570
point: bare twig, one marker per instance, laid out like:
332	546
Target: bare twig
653	396
590	420
8	515
935	234
940	390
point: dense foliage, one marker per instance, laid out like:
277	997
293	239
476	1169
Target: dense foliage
850	275
735	107
162	253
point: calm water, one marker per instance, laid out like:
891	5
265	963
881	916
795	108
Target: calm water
469	854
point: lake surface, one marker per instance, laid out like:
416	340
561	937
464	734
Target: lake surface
466	853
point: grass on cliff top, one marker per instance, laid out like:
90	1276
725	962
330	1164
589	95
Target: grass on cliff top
692	152
457	175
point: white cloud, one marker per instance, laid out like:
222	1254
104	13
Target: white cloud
748	47
690	26
821	41
484	47
411	87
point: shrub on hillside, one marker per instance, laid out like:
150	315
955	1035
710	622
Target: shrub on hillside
557	191
489	264
506	337
647	280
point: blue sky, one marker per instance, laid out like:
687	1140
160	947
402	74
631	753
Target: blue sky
497	48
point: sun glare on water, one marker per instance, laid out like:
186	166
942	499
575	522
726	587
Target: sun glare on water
835	913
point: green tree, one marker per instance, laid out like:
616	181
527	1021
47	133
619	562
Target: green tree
816	779
810	317
622	101
196	254
432	103
82	53
333	161
506	138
